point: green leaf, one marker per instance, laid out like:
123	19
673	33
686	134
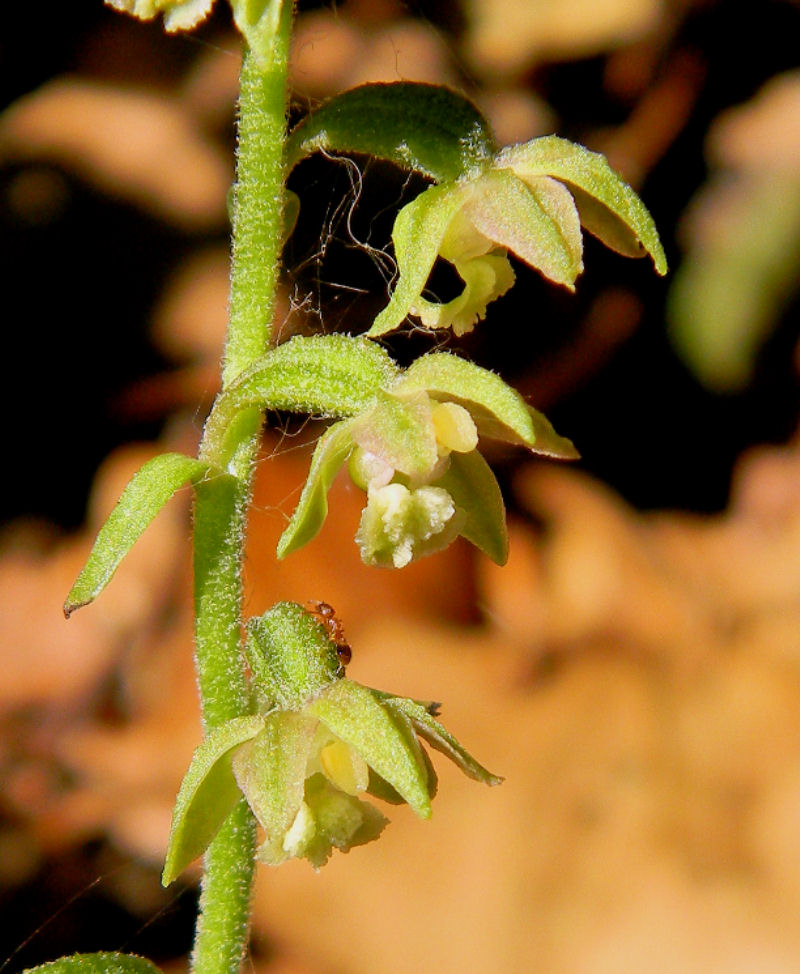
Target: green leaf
100	963
424	127
498	410
430	730
207	794
331	451
148	491
608	207
472	485
354	714
418	233
326	375
535	222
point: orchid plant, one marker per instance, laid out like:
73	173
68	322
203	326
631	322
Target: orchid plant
292	746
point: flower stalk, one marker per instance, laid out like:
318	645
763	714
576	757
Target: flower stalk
221	503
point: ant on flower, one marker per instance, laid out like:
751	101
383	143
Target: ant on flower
327	616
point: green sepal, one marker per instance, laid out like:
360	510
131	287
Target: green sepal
270	770
400	431
385	741
538	223
472	485
207	794
424	127
609	209
104	962
325	375
331	451
430	730
418	233
498	410
380	788
148	491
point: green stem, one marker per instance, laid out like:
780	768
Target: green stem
221	505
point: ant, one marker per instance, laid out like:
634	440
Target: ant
327	616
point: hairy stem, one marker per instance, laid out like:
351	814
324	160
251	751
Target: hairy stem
221	505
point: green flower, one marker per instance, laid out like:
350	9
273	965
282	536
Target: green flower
531	200
414	450
316	745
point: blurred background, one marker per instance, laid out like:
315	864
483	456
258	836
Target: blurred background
634	671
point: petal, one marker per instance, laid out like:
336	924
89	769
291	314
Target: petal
608	207
486	278
538	226
340	821
344	767
435	734
185	15
383	739
207	794
418	232
399	429
399	525
331	451
454	427
472	485
271	772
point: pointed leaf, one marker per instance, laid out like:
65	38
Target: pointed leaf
271	771
498	410
331	451
207	794
435	734
99	963
383	738
534	222
424	127
608	207
148	491
325	375
472	485
418	232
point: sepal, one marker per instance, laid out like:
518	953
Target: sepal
352	712
470	482
324	375
332	450
208	793
609	209
430	730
